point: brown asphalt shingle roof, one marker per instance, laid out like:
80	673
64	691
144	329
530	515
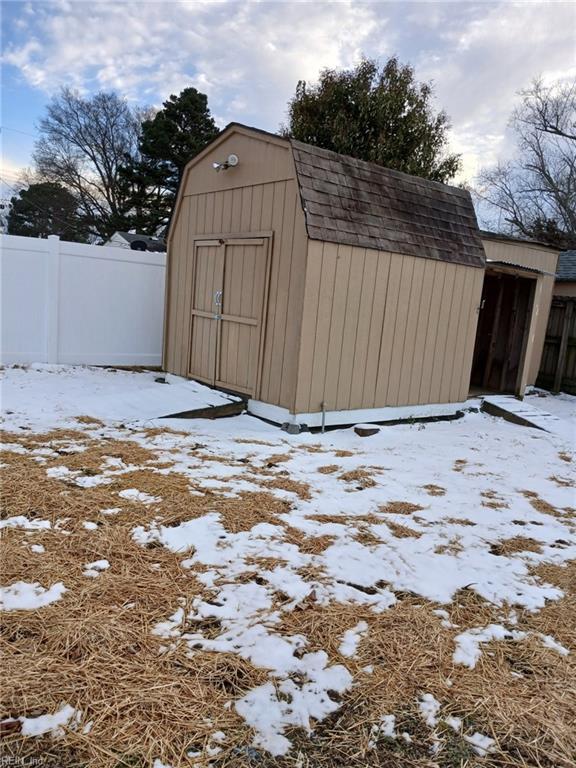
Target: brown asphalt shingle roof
353	202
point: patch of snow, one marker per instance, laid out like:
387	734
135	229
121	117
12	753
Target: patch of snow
551	642
429	708
92	481
13	448
89	525
94	569
480	743
445	616
38	549
351	638
468	643
132	494
20	521
386	728
54	724
111	511
60	473
270	715
453	722
26	596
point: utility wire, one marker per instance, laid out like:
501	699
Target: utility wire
17	130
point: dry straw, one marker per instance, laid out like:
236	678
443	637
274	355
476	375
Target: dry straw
146	697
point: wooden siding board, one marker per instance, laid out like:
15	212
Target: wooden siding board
474	308
441	339
388	328
270	375
455	393
420	332
452	335
310	311
360	367
399	332
295	283
339	310
182	354
350	331
322	333
376	329
281	315
409	342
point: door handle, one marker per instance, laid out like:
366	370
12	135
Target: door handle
217	303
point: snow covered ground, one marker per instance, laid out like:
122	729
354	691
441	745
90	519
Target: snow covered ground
300	557
44	395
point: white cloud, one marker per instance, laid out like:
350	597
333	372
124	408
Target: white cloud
248	56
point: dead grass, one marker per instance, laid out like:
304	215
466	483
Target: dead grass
403	531
458	521
515	544
492	500
563	482
94	649
453	547
328	469
361	478
434	490
541	505
459	465
564	456
400	508
89	421
302	490
366	537
277	458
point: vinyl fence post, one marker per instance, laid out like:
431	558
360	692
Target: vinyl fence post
52	298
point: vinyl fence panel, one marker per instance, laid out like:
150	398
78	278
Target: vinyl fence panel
65	302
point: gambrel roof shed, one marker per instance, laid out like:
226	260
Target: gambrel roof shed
321	286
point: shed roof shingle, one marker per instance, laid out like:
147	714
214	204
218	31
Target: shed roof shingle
566	266
353	202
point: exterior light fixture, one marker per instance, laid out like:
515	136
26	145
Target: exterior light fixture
230	162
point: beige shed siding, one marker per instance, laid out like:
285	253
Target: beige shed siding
565	288
381	329
528	255
241	206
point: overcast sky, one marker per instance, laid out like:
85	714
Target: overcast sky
248	56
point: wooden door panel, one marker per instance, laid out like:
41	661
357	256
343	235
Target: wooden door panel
244	284
203	349
207	281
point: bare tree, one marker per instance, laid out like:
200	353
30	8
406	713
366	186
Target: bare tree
535	193
84	145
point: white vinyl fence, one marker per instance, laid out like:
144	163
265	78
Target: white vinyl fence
80	304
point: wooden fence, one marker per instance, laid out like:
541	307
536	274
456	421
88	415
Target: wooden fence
558	366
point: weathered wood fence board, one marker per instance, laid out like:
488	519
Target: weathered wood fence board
558	366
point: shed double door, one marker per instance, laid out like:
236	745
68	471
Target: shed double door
228	299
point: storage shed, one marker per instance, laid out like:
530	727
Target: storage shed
323	287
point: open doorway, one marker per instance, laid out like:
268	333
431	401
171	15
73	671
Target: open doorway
502	334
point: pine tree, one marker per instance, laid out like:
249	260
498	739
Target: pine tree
178	132
46	208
